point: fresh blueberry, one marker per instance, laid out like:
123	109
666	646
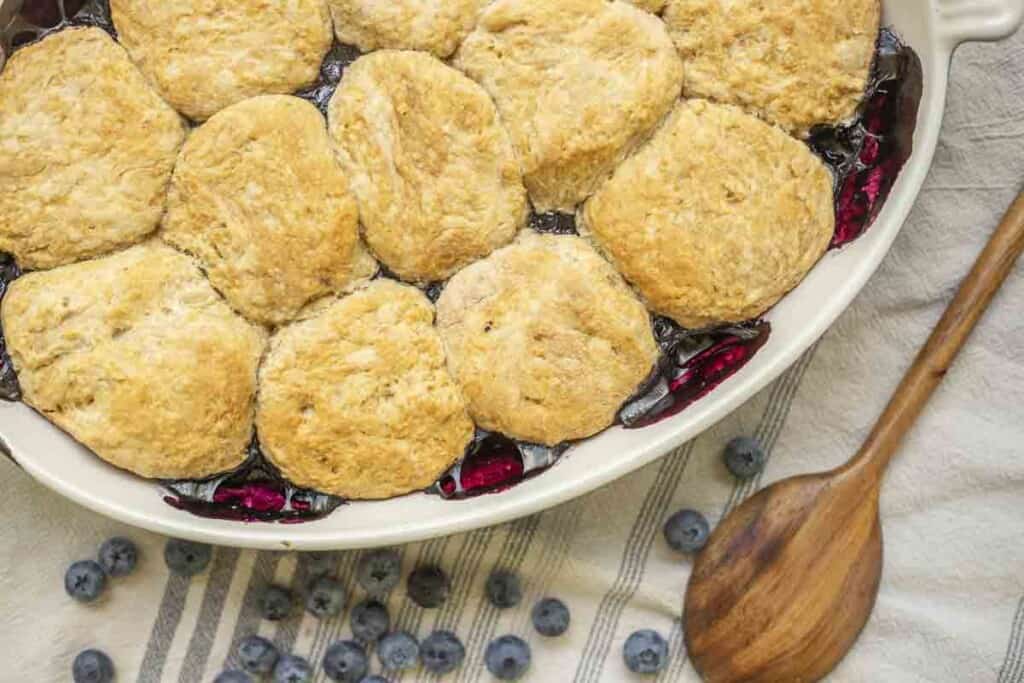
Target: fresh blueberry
645	652
503	589
326	598
92	666
292	669
345	661
379	571
118	556
276	603
744	457
315	565
442	652
428	586
233	676
686	531
185	557
374	679
550	617
257	655
85	580
507	657
370	620
398	650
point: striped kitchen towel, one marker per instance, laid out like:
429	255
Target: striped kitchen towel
951	606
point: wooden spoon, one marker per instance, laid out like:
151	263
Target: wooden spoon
788	579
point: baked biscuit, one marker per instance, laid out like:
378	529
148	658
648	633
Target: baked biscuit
653	6
545	339
357	401
137	357
717	217
86	150
578	83
260	199
204	55
795	63
436	177
435	26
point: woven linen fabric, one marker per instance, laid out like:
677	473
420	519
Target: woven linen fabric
951	606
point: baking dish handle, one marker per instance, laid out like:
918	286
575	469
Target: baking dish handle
960	21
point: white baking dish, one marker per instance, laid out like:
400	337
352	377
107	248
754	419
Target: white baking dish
932	27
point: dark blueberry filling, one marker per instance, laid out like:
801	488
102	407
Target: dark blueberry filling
331	70
554	222
493	463
38	18
9	389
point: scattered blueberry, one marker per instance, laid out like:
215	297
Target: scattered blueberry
185	557
507	657
92	666
550	617
428	586
398	650
686	531
315	565
118	556
503	589
276	603
257	655
744	457
292	669
374	679
645	652
379	571
233	676
345	661
442	652
85	580
370	620
326	598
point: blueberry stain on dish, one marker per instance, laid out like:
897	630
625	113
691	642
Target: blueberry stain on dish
338	58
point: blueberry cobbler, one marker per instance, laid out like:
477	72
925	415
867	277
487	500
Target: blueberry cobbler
277	256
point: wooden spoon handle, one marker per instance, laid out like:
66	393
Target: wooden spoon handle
990	270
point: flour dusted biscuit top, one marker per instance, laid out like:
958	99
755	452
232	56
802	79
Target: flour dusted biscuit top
86	150
137	357
260	199
795	64
204	55
578	83
435	26
356	401
434	171
717	217
545	339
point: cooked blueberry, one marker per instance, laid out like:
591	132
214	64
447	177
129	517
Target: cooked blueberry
645	652
503	589
257	655
276	603
550	617
292	669
345	661
428	586
507	657
379	571
186	557
744	457
233	676
92	666
686	531
315	565
370	620
85	580
118	556
442	652
326	598
398	650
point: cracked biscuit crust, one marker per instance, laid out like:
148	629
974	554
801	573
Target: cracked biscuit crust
545	339
578	83
86	150
356	400
435	26
436	177
204	55
259	198
137	357
795	64
717	217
